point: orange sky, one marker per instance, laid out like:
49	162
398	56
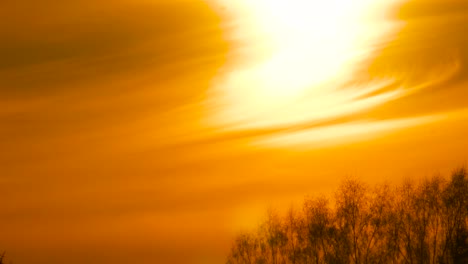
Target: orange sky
152	131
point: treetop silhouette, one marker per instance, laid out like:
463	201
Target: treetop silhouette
414	223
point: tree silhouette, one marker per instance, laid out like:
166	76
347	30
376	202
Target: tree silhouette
412	223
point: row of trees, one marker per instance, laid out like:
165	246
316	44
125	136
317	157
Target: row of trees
423	222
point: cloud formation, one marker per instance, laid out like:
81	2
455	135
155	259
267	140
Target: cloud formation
106	155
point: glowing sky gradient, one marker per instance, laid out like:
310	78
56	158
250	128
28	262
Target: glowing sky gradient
152	131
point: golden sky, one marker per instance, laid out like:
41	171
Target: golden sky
152	131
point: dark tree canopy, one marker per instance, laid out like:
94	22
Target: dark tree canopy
414	223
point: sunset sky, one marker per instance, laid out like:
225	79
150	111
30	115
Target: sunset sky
153	131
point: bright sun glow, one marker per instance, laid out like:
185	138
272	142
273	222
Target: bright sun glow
299	56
